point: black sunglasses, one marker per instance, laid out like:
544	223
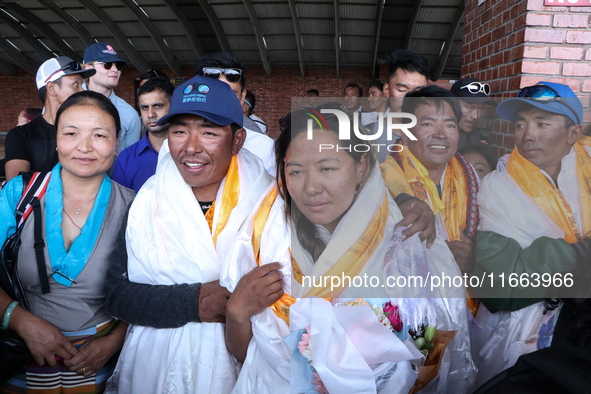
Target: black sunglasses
108	65
232	74
545	94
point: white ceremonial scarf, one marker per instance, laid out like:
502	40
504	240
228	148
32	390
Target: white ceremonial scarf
506	210
169	242
266	369
348	231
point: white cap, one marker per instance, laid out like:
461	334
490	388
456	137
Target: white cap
54	69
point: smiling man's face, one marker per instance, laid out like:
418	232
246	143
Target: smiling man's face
202	151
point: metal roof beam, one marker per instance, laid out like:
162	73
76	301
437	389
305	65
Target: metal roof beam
44	29
381	4
258	32
134	56
337	35
217	26
455	25
189	32
167	54
298	34
8	69
70	21
19	58
27	35
410	28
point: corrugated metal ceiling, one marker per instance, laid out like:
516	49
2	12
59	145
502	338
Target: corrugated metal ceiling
315	20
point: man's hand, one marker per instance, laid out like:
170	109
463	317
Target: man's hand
464	253
419	216
256	291
212	302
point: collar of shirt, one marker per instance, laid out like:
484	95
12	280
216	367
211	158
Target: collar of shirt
144	145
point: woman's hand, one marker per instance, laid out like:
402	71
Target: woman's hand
257	290
43	339
95	352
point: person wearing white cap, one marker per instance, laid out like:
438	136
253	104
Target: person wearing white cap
32	147
108	66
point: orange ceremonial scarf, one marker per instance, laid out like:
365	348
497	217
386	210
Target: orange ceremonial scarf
229	200
281	306
547	196
353	261
413	178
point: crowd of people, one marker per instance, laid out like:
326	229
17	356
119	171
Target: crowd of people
188	260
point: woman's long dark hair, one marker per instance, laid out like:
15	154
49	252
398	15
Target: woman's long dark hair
88	97
295	124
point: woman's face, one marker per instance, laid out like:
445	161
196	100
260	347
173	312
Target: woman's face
322	184
86	140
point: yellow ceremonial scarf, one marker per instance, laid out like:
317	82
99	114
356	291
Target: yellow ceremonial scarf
229	200
547	196
353	261
415	180
281	306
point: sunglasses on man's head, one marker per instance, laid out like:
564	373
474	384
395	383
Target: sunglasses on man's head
477	87
108	65
72	66
232	74
546	94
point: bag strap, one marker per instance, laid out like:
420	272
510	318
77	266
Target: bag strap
36	187
28	203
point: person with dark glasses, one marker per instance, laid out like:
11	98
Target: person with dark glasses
473	97
535	222
103	58
31	147
227	68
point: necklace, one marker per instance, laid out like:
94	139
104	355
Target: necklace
71	220
77	210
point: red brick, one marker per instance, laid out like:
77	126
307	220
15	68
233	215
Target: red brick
586	85
588	55
586	10
566	53
567	20
538	19
576	69
584	100
578	37
545	35
528	81
574	84
531	67
536	52
587	117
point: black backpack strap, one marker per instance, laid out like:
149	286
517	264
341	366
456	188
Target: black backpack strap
35	189
39	245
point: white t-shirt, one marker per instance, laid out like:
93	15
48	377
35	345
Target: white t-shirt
262	147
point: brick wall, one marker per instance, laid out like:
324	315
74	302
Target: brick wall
511	44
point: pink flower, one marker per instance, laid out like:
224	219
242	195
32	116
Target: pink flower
316	381
303	344
393	315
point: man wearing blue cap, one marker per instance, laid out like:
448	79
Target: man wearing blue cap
103	58
181	227
535	220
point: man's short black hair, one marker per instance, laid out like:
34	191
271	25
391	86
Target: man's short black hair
251	99
377	83
222	60
314	91
354	85
408	61
174	120
157	84
431	95
42	93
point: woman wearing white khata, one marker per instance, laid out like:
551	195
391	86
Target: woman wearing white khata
343	222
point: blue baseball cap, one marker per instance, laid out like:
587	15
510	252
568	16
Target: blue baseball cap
209	98
101	52
559	99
